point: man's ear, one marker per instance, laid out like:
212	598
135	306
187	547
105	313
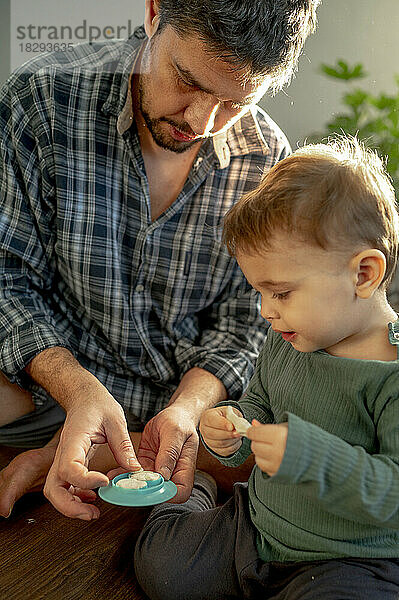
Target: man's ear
369	268
151	18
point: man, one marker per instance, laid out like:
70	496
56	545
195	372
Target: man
117	300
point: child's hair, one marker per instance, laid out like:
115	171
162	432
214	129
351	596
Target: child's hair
336	196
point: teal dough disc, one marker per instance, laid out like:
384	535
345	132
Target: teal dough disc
155	492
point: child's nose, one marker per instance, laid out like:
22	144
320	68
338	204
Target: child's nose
268	311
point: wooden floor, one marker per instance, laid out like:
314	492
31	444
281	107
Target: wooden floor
46	556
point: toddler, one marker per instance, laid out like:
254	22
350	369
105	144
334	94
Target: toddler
319	516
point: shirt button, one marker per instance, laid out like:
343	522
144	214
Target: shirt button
139	288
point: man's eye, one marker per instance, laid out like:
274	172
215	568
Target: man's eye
281	295
236	106
183	83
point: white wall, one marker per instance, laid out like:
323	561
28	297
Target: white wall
355	30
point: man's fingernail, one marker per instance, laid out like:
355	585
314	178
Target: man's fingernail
133	462
84	517
165	472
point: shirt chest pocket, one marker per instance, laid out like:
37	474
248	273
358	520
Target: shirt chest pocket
190	275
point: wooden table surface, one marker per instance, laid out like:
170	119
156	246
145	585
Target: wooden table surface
46	556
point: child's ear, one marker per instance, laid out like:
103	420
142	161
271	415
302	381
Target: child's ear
369	268
151	19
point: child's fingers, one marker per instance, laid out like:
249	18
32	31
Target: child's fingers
214	424
268	434
268	443
216	420
224	447
259	432
214	434
222	444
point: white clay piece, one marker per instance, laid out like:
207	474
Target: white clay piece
145	476
131	484
241	425
137	480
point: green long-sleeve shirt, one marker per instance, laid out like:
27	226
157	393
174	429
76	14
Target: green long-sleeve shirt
336	492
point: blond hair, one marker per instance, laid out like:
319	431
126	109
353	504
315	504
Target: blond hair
335	196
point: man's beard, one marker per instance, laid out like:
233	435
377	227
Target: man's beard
160	137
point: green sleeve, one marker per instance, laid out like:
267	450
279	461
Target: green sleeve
236	459
345	479
253	405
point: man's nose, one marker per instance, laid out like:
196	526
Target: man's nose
200	114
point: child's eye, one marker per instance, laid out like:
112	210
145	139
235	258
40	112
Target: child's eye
281	295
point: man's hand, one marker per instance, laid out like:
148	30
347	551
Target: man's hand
93	416
218	432
99	419
169	443
169	446
268	445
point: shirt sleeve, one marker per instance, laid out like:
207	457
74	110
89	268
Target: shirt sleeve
346	479
232	329
240	456
232	332
27	324
253	405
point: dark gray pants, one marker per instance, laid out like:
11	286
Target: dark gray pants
195	551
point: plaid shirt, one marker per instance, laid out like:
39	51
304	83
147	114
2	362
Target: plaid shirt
82	265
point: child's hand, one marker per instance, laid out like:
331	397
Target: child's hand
268	445
218	433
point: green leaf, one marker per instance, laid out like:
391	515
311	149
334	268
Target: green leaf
331	72
356	98
385	102
357	71
343	71
373	119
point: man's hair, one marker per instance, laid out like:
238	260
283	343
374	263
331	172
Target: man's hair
265	36
335	196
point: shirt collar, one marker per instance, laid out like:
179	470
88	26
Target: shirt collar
119	100
244	137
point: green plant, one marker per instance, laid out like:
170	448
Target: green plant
374	119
